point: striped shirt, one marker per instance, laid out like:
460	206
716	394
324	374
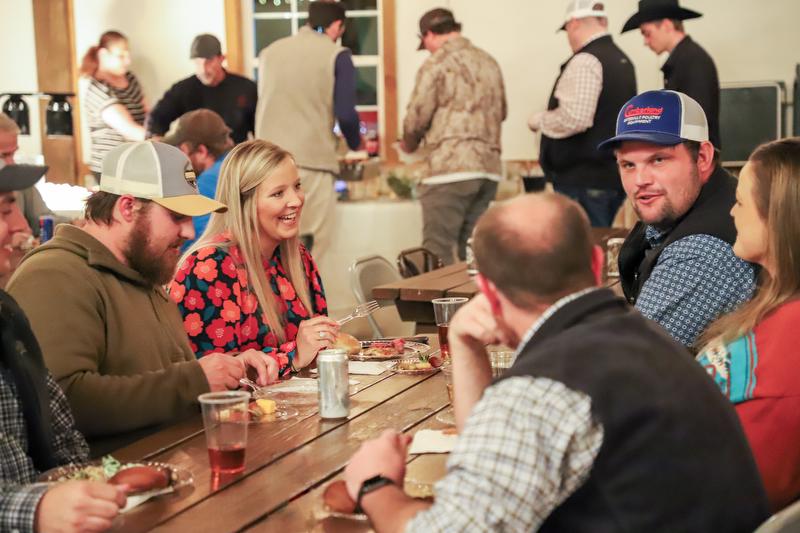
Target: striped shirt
99	96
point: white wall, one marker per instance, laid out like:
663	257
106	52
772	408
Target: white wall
160	33
18	64
749	41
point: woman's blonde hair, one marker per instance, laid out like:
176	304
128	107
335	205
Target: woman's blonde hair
776	194
246	167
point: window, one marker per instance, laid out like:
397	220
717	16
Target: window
275	19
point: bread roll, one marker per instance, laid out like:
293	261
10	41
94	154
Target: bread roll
348	343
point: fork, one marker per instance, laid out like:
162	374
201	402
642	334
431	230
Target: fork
360	311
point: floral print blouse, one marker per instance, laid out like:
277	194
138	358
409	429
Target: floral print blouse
220	314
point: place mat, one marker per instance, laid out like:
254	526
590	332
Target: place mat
366	368
433	441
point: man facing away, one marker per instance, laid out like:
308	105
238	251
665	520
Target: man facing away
212	87
307	83
602	424
109	333
35	421
203	136
582	112
689	69
455	111
677	264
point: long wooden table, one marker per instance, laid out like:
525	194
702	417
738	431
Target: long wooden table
288	463
413	295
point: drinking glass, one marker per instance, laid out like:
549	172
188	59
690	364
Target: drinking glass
500	361
613	246
225	418
443	310
448	416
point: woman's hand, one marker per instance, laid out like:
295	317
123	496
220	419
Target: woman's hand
313	335
264	366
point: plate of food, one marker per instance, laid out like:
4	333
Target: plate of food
378	350
421	364
263	410
296	391
145	479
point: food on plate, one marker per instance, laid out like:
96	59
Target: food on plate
267	407
337	499
384	349
141	478
348	343
435	361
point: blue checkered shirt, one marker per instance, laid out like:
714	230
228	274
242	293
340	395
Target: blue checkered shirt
695	280
19	495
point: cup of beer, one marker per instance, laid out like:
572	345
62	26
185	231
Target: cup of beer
443	310
225	419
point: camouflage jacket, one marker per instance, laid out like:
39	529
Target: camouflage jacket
456	110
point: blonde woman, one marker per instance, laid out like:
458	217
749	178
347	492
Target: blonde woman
248	283
753	353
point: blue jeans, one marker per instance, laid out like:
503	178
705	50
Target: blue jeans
600	204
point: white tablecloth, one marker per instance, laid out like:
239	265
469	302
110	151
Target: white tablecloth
365	228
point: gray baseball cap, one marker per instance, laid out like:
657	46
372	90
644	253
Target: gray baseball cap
18	177
206	46
158	172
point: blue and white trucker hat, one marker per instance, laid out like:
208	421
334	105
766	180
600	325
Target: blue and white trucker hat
159	172
659	117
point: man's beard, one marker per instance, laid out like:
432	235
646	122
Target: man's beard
668	216
155	266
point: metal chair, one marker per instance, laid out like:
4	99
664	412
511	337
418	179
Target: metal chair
416	261
366	273
785	521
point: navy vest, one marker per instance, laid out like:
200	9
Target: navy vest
673	457
576	160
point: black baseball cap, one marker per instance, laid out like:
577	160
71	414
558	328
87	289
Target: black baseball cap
18	177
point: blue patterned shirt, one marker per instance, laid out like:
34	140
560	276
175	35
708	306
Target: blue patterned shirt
695	280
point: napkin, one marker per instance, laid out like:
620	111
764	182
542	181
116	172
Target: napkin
138	499
367	368
432	441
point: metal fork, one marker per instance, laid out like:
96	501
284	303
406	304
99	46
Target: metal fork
360	311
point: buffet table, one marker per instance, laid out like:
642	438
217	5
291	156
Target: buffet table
361	228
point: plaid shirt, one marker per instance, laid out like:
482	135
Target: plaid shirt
528	444
19	496
577	91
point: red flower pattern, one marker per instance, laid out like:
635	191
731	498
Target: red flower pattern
230	317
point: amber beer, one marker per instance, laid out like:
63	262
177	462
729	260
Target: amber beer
226	460
443	311
225	419
443	344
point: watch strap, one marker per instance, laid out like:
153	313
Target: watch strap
368	486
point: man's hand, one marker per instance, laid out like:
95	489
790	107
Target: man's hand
223	371
475	325
313	335
265	366
79	506
385	455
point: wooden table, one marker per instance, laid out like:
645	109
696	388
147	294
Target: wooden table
413	296
288	463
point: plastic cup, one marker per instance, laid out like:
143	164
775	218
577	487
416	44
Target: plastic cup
443	310
500	361
225	419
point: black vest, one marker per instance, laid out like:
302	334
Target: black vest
673	457
576	160
709	215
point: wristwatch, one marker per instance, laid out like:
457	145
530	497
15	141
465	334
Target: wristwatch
371	484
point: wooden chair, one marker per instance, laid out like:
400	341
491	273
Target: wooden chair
416	261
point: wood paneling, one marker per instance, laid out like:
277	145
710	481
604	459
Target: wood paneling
56	70
389	54
233	37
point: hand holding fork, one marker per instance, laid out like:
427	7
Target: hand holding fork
360	311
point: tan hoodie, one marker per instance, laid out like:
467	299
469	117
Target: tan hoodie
114	343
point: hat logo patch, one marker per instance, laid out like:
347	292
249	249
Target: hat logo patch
642	115
191	179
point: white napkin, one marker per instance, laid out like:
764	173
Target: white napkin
432	441
367	368
139	499
296	384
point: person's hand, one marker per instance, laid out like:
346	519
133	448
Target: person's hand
313	335
385	455
263	365
223	371
85	506
475	325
